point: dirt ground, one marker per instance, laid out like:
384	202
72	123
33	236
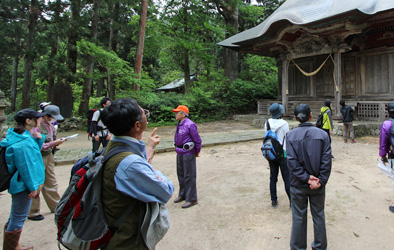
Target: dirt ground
234	210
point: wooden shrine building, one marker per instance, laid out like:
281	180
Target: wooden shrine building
337	49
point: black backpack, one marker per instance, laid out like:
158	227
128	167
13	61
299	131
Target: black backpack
5	175
319	122
89	116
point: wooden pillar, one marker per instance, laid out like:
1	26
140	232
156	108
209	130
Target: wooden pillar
338	81
285	63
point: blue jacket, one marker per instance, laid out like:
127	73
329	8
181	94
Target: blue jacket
186	131
308	153
23	155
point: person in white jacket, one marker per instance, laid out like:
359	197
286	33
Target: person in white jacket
280	127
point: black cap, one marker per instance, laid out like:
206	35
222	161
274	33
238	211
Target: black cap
302	112
23	114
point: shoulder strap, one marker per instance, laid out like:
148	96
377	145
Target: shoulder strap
268	126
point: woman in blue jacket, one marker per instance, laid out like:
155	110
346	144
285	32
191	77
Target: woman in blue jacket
23	157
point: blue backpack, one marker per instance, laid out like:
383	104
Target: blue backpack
272	149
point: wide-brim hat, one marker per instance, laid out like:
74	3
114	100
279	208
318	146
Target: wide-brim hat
181	108
23	114
276	110
53	111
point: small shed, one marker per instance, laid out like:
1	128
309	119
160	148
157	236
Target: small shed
177	84
338	49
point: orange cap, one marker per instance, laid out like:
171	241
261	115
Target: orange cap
181	108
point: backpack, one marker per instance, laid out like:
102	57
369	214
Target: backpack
85	160
5	175
319	122
89	116
272	149
79	216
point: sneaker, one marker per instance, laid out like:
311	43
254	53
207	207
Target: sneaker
36	218
345	140
353	141
391	208
333	157
274	204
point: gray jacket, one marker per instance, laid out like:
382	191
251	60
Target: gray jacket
308	153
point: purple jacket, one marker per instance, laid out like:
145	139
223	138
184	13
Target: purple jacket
186	131
385	138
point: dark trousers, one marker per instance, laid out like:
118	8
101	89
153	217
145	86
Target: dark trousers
187	174
299	208
328	132
96	144
274	171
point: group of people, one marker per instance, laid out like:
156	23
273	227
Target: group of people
305	166
128	177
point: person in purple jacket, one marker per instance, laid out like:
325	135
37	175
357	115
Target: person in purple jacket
385	148
187	146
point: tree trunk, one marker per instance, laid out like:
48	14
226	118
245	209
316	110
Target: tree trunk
140	42
100	87
231	56
186	72
112	45
87	86
52	73
14	83
73	38
229	10
29	58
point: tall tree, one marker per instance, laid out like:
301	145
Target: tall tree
30	54
184	23
229	10
54	35
87	87
73	37
140	42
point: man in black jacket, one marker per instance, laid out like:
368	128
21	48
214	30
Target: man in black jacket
309	161
347	118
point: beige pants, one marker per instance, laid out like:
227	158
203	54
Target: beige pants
48	189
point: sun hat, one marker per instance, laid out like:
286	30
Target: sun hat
181	108
43	105
54	111
276	110
302	112
23	114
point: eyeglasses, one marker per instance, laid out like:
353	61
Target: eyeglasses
147	113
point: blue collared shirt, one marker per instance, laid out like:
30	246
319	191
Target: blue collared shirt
135	177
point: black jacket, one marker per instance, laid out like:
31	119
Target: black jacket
347	113
308	153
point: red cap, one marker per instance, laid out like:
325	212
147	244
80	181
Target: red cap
181	108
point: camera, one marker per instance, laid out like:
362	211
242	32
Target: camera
188	146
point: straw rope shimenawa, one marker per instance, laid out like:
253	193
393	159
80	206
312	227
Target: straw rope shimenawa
317	70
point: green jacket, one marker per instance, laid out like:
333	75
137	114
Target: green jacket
327	118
